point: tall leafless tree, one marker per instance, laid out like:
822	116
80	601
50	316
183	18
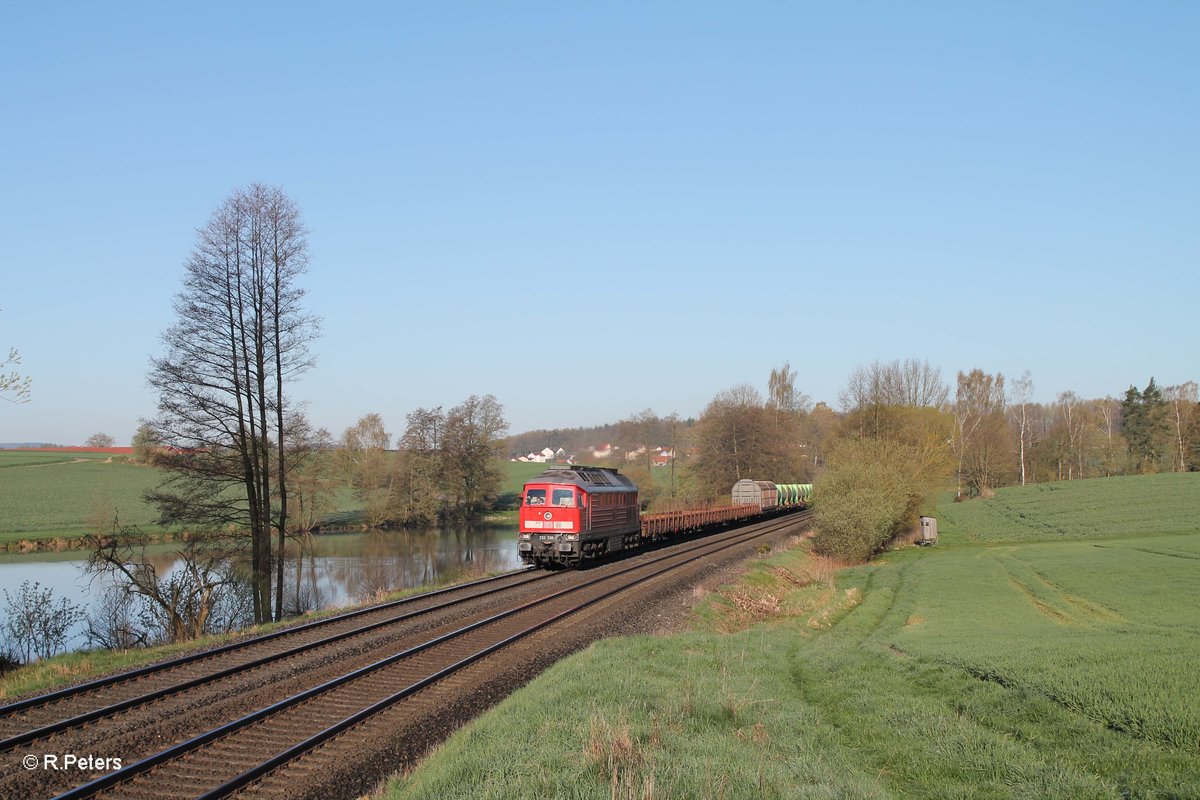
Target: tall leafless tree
1108	423
240	339
978	417
911	382
781	391
1181	399
737	437
878	396
1021	392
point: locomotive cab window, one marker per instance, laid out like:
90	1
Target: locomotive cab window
564	498
535	497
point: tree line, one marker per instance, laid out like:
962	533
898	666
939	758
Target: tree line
902	432
444	467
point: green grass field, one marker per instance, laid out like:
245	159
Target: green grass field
1057	662
25	458
515	473
1097	507
45	495
55	494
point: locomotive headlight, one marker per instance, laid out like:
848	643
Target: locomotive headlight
571	537
522	535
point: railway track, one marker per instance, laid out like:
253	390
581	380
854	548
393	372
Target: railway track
43	715
228	757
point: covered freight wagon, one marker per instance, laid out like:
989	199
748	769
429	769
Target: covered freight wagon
794	494
755	493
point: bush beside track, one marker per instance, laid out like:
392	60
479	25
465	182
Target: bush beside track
1047	669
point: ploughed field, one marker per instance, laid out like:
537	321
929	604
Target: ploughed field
1046	648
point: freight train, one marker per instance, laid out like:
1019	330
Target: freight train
572	514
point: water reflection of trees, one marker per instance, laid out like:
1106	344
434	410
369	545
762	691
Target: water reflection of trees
197	592
327	570
336	568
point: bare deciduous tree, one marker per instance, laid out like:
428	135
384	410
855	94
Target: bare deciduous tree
421	467
737	437
146	446
470	444
36	625
365	461
638	431
782	393
311	475
913	382
879	398
1021	392
100	440
1108	425
201	594
116	622
240	338
1069	407
978	420
1181	398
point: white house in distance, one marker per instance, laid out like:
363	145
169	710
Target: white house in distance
544	456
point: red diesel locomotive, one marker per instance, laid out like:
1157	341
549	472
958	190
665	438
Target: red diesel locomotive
572	514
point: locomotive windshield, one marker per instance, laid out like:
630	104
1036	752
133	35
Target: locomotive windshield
535	497
564	498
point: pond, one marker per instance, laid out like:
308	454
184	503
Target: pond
331	570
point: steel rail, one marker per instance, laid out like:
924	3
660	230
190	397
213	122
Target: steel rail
299	749
89	716
175	751
70	691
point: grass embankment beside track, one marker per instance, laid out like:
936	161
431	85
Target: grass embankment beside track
80	666
1033	668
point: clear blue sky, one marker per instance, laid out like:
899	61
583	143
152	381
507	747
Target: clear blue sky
662	199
